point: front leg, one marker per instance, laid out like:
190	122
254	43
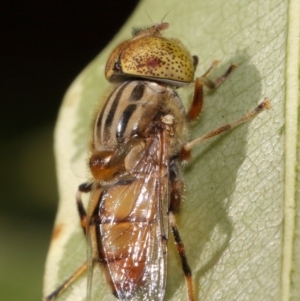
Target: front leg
197	103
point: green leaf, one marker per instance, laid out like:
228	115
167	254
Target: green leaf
240	220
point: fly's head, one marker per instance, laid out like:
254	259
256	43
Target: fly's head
149	55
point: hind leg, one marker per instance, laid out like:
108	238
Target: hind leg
83	188
175	200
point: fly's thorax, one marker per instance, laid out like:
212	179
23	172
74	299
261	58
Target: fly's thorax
128	126
133	109
126	113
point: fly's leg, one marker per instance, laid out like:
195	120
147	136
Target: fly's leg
80	271
177	188
185	153
85	187
181	251
197	103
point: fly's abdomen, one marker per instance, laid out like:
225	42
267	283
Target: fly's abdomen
125	225
125	255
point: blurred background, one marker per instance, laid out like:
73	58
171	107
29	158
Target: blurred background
44	46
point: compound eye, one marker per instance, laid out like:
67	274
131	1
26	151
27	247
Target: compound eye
149	55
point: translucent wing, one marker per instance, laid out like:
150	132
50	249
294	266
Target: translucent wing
128	225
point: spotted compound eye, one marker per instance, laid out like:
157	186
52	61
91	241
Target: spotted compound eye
149	55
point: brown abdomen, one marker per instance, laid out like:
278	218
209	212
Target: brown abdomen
122	223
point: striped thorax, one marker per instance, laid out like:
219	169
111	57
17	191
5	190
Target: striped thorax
132	108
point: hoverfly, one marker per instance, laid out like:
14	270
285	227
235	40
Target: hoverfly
139	141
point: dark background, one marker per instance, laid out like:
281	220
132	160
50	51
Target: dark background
44	46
